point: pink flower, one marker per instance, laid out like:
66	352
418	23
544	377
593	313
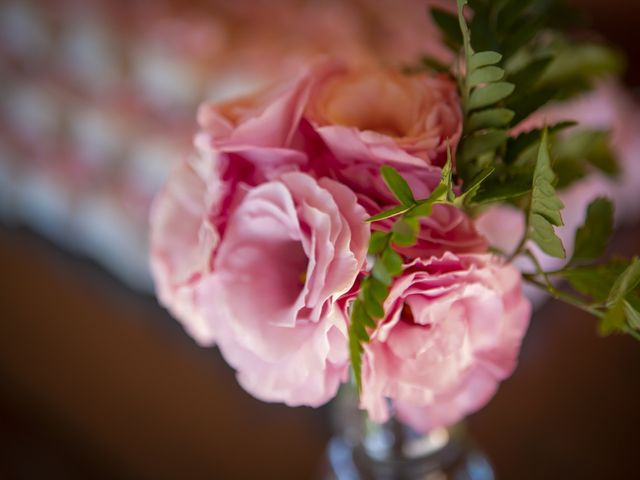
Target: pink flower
447	228
266	118
189	215
453	332
385	116
255	240
183	239
291	248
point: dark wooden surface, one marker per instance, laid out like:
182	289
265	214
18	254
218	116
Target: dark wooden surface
96	378
98	382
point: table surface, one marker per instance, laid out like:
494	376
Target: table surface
99	382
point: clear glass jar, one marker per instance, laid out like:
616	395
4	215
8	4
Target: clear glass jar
361	449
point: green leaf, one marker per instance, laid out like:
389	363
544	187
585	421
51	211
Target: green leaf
448	25
625	283
359	320
392	262
398	185
487	74
528	75
366	302
588	146
523	106
491	192
601	155
595	280
464	29
378	242
569	170
439	193
527	140
490	94
443	193
473	187
592	237
355	355
357	336
475	145
423	209
446	177
510	11
405	231
623	302
632	314
524	32
613	320
392	212
483	35
374	310
633	299
576	65
482	59
377	290
544	210
380	273
492	118
543	234
434	64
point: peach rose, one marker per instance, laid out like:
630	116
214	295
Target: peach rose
386	116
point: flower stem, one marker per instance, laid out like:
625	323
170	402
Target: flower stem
563	296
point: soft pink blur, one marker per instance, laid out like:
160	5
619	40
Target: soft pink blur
610	108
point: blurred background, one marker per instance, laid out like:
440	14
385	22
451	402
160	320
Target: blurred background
98	101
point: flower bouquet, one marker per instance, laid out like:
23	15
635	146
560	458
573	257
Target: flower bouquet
326	229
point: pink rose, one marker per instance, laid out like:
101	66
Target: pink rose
447	228
266	118
189	215
183	239
291	248
453	332
386	116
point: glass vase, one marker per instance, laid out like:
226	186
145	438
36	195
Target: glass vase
362	450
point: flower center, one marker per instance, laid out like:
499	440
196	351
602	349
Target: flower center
407	315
